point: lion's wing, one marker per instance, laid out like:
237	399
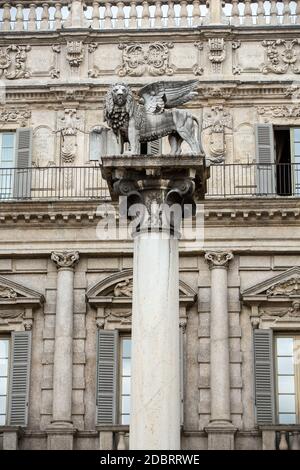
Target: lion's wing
160	95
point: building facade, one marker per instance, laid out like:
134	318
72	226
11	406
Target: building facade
66	294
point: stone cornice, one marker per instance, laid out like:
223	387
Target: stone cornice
256	211
203	31
83	95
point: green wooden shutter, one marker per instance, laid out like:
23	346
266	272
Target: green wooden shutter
19	378
23	175
264	377
265	158
107	364
154	147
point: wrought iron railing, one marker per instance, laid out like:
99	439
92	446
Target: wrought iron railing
254	180
234	180
52	183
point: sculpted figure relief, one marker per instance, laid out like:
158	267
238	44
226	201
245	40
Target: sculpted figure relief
153	115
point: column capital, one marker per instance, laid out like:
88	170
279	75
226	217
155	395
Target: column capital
65	259
158	189
218	259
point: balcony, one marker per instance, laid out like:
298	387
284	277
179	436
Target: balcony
37	15
232	181
52	183
281	437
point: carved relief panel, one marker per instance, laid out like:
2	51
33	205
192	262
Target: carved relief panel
216	123
69	124
145	59
43	146
13	62
281	56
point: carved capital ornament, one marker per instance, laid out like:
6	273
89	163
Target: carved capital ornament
65	259
218	259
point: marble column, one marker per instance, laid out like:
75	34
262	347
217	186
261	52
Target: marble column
156	184
220	429
63	351
155	389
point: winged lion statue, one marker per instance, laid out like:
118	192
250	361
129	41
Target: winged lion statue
153	114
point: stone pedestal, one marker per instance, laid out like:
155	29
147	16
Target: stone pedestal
220	430
156	185
10	436
60	433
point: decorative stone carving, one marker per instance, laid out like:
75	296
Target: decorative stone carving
119	316
75	53
290	287
292	311
218	259
7	292
124	288
150	118
292	91
130	177
11	314
236	67
140	58
43	147
13	62
15	115
217	53
280	111
65	259
281	55
54	71
94	71
216	92
92	46
198	69
69	124
217	120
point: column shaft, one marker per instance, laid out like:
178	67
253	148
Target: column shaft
219	346
155	393
63	360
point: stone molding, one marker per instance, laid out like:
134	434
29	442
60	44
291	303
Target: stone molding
275	301
114	306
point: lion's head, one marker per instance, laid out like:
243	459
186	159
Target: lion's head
118	96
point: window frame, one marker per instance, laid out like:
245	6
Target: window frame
294	335
4	193
9	359
122	336
296	171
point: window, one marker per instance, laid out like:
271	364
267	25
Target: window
113	391
4	360
125	379
287	159
278	160
7	162
277	377
287	351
